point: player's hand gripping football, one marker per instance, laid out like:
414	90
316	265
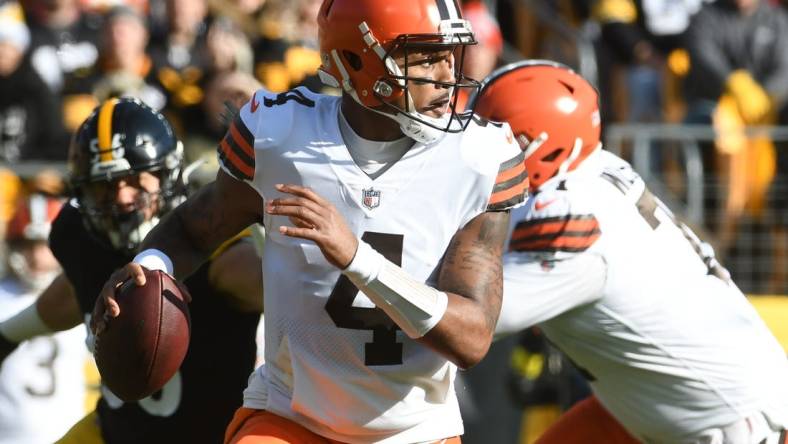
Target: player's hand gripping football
106	306
317	220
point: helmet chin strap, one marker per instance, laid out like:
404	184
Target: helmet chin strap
409	122
411	127
572	157
416	130
563	169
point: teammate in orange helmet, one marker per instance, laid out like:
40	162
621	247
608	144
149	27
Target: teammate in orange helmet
43	377
30	259
385	212
672	349
558	125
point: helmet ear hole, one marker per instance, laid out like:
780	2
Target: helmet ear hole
353	60
568	87
553	155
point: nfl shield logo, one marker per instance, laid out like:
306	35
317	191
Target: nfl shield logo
370	198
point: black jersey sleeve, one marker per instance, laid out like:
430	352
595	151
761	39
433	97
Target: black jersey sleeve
86	262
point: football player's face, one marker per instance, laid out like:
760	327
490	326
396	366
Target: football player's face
433	66
126	194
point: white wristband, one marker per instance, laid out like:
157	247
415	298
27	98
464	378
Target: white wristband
26	324
154	259
365	265
414	306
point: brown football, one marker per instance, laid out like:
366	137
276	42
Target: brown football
143	347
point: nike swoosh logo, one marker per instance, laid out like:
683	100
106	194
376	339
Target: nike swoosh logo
255	104
542	205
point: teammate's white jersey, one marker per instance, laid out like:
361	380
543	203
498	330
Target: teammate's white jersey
334	362
42	383
673	348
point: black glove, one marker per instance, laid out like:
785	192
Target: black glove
6	347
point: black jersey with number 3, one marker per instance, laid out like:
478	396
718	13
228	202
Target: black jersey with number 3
198	403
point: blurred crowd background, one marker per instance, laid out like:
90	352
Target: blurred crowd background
693	92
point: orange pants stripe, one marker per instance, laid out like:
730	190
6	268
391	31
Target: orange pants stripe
251	426
587	422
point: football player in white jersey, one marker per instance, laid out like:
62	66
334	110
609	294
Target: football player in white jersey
42	382
385	212
671	347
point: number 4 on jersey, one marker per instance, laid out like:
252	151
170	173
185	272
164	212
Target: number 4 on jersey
384	348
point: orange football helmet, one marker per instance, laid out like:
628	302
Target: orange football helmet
33	217
359	37
553	112
29	257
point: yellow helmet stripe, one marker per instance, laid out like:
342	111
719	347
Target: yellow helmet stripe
105	130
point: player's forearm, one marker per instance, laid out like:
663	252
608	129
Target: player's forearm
472	277
193	230
458	318
185	235
58	305
55	310
464	333
458	327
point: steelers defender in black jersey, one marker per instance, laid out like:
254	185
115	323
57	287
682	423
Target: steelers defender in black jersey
126	172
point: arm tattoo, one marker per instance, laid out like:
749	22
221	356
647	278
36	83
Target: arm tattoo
472	266
192	222
192	231
205	222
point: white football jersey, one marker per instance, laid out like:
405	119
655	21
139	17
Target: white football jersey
334	362
42	383
673	348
